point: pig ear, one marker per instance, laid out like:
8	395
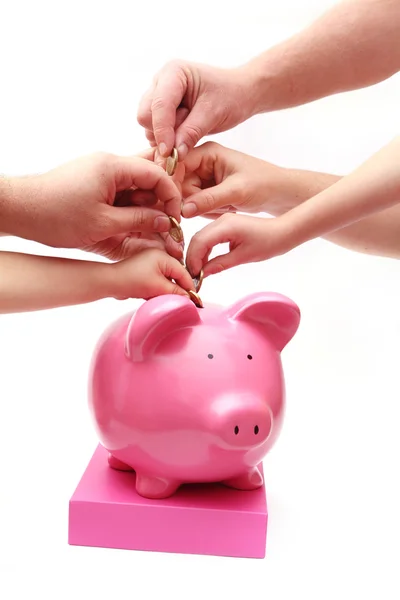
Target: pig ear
277	315
154	320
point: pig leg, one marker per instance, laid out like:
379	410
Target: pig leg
250	480
114	463
155	487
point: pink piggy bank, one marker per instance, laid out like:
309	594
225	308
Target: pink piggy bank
181	394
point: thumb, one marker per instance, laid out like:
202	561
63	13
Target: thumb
133	219
210	200
196	125
225	261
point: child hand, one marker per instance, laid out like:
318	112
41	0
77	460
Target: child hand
149	274
219	180
251	239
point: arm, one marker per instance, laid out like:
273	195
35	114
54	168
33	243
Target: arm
353	201
377	234
37	282
353	45
218	180
29	283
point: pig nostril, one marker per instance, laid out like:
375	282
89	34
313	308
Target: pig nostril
236	430
256	429
249	356
210	356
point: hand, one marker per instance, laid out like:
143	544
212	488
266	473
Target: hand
251	239
93	200
148	274
188	101
219	180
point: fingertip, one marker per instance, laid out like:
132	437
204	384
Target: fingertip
162	224
183	151
189	210
163	150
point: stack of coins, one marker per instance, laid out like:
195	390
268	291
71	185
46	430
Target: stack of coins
177	234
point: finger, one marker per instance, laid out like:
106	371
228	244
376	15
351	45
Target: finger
150	137
211	199
173	248
154	156
172	269
144	115
181	115
203	242
147	154
197	125
202	159
142	198
133	219
167	95
224	261
136	198
137	172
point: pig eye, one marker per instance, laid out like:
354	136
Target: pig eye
211	356
236	430
249	356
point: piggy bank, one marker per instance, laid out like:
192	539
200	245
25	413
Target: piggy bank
181	394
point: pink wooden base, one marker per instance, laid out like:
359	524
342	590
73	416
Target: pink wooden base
105	511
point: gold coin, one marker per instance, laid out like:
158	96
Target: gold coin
197	281
176	231
172	161
195	298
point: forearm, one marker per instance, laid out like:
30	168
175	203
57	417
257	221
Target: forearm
370	189
378	234
29	283
353	45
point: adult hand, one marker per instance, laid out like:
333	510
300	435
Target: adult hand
94	202
219	180
188	101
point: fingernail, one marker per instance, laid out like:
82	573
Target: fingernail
189	210
182	151
163	149
162	223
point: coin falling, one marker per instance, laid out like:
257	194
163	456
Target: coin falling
195	298
172	161
176	231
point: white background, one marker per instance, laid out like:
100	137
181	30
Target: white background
71	76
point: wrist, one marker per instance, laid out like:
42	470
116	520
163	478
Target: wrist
292	187
6	203
15	200
106	280
268	82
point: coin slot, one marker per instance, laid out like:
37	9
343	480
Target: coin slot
236	430
256	429
249	356
211	356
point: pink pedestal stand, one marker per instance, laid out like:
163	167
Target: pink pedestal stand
105	511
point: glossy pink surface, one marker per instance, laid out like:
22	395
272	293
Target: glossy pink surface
105	511
181	394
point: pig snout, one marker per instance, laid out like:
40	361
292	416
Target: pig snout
243	425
